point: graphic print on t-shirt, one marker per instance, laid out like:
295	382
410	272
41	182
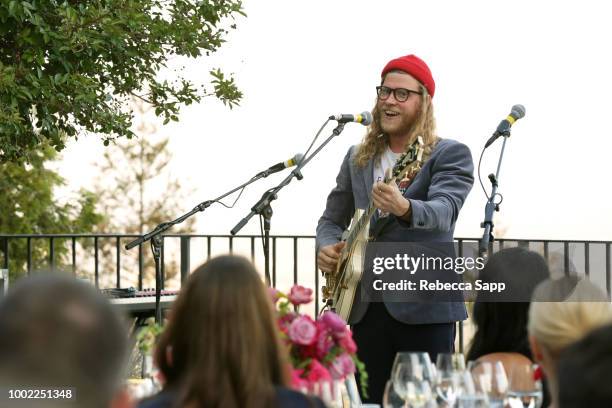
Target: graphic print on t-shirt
384	164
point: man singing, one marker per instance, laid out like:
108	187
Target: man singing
423	210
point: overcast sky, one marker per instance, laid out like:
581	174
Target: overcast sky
298	62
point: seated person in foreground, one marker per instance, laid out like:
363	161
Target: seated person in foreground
584	371
501	323
60	333
221	346
562	312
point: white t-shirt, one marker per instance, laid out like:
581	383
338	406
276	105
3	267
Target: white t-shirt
386	161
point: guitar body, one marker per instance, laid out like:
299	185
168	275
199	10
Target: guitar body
350	270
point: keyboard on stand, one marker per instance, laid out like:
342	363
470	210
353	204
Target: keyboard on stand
139	303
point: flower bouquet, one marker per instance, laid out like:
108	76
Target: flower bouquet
321	350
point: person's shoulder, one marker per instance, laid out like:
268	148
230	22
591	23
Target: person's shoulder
163	399
288	398
445	144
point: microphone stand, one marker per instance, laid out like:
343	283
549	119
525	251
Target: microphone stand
487	236
157	240
263	208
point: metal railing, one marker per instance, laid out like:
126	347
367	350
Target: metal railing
85	254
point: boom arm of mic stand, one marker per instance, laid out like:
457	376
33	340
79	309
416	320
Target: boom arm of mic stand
262	207
272	194
157	240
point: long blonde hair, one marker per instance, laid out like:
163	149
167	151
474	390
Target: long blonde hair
557	324
375	141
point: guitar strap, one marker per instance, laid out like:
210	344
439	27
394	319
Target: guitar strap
408	175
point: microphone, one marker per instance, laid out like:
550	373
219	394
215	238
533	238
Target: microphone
365	118
517	112
283	165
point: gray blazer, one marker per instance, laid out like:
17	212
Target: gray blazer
436	196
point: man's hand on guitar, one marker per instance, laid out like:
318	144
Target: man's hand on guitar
328	257
388	198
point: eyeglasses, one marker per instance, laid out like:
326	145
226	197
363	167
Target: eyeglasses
400	94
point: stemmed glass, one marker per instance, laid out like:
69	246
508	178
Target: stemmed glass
411	385
416	359
391	398
470	393
524	390
490	377
448	367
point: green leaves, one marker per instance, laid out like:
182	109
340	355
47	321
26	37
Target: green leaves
60	60
225	89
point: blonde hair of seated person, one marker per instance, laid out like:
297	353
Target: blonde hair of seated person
562	312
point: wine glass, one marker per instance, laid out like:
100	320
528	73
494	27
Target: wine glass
490	377
470	394
391	398
410	384
416	358
448	366
418	393
524	391
450	362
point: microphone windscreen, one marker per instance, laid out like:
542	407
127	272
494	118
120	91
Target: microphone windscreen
367	118
518	111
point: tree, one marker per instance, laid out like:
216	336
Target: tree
68	67
136	192
29	206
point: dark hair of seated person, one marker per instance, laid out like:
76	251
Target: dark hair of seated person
501	324
584	371
221	346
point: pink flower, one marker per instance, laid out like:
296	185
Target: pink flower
317	373
324	343
285	321
297	382
342	366
347	343
274	295
300	295
334	323
302	330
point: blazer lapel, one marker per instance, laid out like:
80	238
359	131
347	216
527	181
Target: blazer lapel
368	178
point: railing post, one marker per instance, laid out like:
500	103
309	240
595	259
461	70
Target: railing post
608	278
185	258
566	258
118	265
140	266
163	263
295	261
73	255
5	249
273	262
29	255
96	267
51	253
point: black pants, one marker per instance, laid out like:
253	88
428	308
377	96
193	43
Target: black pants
379	337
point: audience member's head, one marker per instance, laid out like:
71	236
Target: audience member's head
221	347
561	313
501	320
584	371
56	332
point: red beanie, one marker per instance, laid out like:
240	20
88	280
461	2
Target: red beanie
414	66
